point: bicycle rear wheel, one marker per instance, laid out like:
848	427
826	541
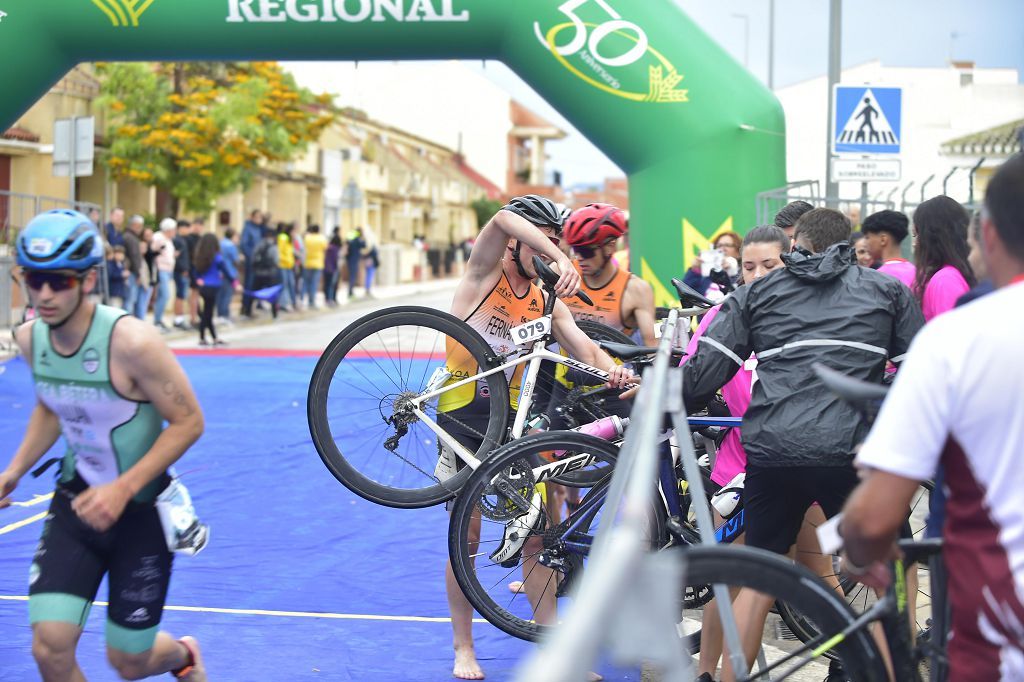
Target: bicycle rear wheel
359	412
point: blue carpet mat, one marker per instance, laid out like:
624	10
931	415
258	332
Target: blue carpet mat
287	539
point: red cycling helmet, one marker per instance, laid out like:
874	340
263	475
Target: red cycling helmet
595	224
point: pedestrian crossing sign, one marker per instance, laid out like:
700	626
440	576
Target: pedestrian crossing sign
867	120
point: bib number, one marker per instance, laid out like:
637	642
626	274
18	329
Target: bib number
531	331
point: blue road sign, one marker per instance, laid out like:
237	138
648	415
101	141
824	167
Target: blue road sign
867	120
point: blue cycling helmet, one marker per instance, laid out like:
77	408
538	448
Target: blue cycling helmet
60	239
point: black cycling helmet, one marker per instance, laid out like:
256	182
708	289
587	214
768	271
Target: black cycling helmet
539	211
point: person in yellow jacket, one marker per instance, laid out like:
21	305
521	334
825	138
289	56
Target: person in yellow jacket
286	263
313	266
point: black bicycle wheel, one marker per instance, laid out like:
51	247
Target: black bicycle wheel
861	598
485	568
602	332
585	401
793	585
359	412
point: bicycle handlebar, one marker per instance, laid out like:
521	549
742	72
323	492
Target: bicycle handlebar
550	278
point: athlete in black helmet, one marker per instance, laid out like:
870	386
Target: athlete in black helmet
496	294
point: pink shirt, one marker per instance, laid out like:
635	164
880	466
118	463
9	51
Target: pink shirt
901	269
731	459
942	291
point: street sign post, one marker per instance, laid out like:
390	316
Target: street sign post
866	170
74	148
867	120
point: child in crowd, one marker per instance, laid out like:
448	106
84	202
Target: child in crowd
117	275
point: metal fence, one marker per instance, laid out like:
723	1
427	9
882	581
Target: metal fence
905	198
17	209
15	212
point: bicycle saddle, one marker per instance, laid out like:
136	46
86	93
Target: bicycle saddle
627	351
851	390
689	297
550	278
919	550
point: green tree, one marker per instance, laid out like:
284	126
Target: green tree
200	130
485	209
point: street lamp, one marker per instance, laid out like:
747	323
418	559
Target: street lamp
746	37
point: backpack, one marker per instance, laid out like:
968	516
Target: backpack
263	258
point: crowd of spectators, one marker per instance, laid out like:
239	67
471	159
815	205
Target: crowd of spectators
187	277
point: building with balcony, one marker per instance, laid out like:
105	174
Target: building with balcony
398	186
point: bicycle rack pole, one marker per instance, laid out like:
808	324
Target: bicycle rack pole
621	600
705	524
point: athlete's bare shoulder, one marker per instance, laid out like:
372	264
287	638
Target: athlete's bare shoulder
136	345
471	291
23	337
639	288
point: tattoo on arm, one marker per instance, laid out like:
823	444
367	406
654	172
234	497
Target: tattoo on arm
178	397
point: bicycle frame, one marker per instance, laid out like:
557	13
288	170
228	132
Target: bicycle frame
534	357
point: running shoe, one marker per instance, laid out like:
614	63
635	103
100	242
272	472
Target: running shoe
446	463
516	532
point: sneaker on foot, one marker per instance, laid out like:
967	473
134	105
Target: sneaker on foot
516	532
446	463
204	342
219	342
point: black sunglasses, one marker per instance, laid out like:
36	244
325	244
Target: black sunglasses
58	281
585	252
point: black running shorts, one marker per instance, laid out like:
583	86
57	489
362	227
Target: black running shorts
72	558
775	500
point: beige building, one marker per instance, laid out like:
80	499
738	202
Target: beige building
396	185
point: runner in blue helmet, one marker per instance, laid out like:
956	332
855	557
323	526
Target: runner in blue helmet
59	248
107	383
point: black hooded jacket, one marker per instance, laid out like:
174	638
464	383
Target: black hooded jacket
818	308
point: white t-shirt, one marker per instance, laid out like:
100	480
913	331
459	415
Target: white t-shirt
959	400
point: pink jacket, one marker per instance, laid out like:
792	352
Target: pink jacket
731	458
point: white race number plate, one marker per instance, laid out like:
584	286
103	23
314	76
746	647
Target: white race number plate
531	331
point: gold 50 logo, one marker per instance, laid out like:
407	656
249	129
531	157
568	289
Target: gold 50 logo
596	52
123	13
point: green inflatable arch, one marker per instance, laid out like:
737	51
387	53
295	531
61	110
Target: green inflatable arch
697	135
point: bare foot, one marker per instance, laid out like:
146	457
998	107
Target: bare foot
594	677
197	672
515	587
466	665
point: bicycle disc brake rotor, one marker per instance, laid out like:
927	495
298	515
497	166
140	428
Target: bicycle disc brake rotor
509	494
402	416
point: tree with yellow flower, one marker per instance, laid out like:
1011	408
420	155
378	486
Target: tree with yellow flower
200	130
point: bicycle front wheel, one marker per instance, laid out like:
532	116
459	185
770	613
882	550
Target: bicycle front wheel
861	598
359	407
488	524
787	583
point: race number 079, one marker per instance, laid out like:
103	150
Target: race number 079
530	331
580	38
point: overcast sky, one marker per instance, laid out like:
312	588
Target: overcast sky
899	33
